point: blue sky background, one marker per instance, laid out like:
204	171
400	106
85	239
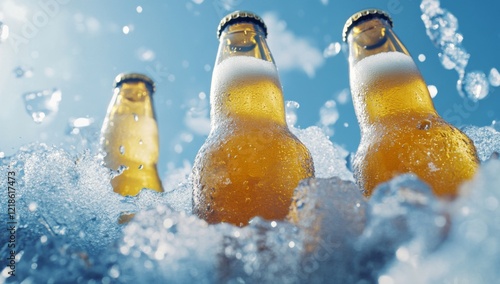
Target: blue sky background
80	46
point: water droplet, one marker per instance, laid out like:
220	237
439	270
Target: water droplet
145	54
2	155
421	57
424	124
141	167
41	104
138	9
136	117
126	30
432	90
140	142
4	32
23	72
494	77
121	149
332	50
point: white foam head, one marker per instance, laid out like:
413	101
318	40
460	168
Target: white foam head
241	69
375	66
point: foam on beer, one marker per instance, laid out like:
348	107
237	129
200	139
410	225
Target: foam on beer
383	64
240	69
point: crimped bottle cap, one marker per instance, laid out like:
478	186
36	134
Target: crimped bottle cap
128	77
363	15
239	17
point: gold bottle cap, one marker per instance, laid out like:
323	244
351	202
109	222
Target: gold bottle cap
363	15
128	77
238	17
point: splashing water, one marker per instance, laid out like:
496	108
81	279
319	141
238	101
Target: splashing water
42	104
442	29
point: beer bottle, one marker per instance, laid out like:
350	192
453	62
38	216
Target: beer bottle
401	132
129	135
250	163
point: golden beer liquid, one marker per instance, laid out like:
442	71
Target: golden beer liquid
401	131
129	137
251	163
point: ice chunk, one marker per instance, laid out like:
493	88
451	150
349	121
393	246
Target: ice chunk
42	104
264	251
330	214
161	246
475	85
403	214
472	244
494	77
486	139
442	28
329	159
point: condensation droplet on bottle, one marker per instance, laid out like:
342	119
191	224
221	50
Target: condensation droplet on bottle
424	124
141	167
140	142
136	117
122	149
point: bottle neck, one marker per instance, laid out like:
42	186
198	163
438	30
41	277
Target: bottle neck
245	82
132	97
384	79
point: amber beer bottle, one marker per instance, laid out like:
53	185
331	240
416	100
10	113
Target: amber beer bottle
250	163
401	132
129	135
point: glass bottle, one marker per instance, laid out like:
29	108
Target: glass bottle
250	163
401	132
129	135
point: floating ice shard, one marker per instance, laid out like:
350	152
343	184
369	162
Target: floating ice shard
42	104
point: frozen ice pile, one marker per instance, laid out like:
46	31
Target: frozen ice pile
69	230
